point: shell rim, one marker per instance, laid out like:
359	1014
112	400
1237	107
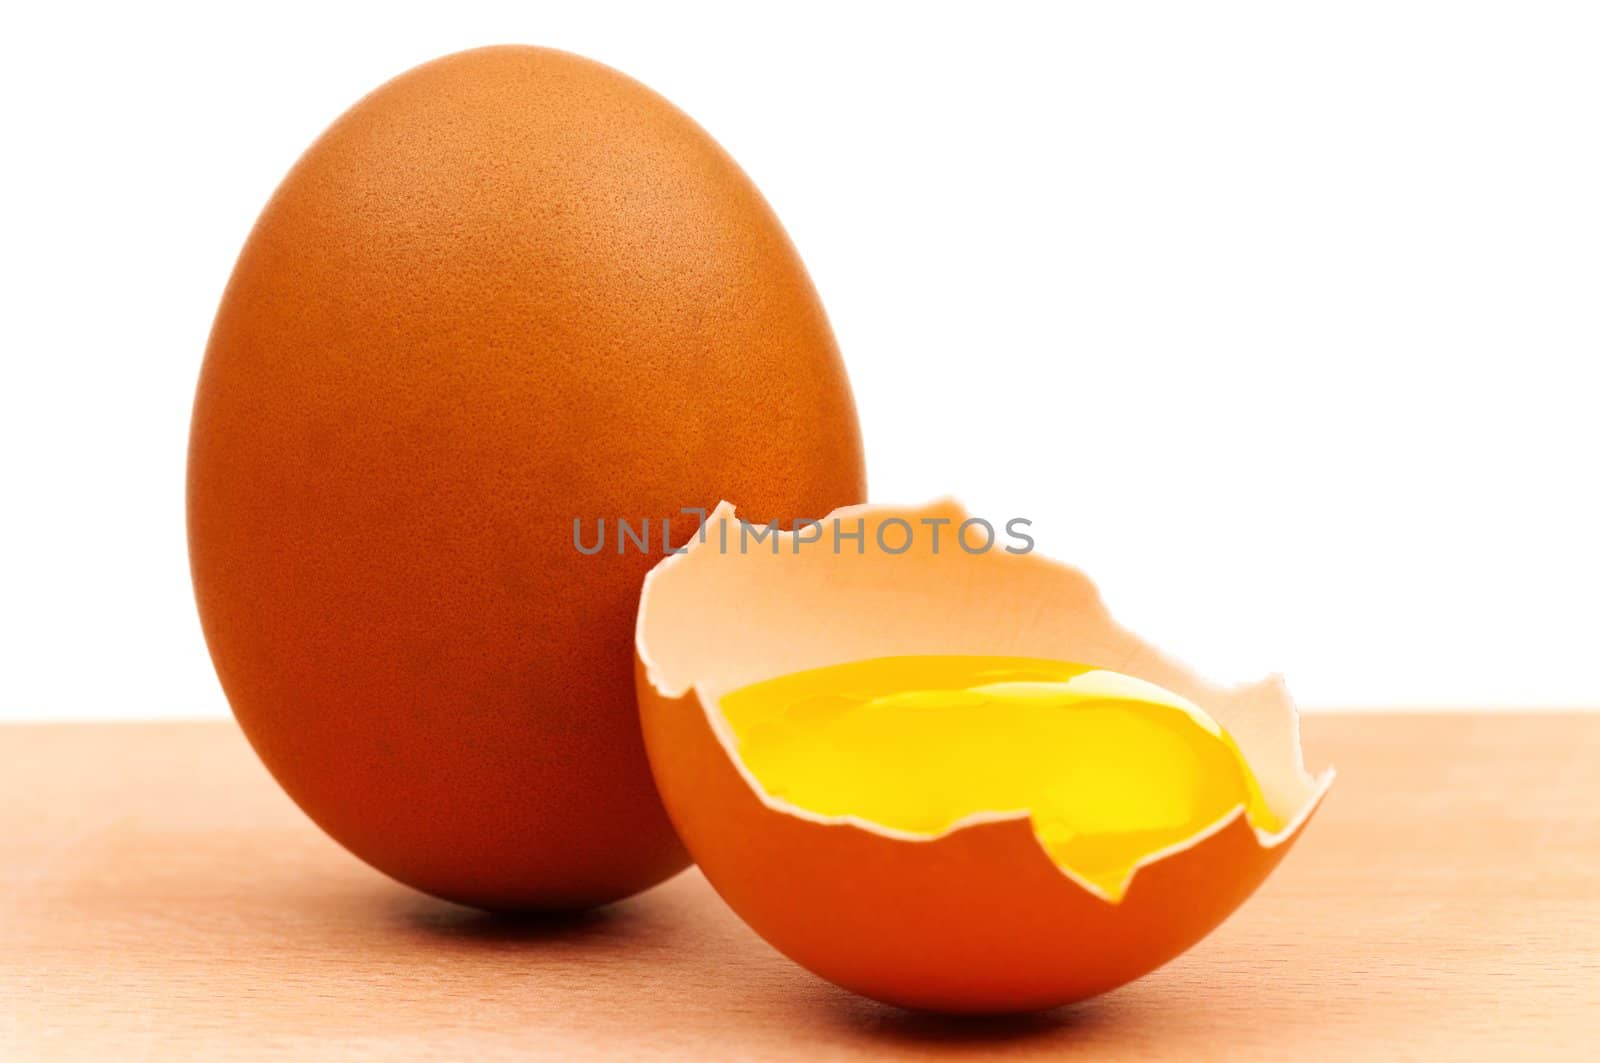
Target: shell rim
709	704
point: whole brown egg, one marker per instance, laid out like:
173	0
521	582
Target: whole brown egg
508	291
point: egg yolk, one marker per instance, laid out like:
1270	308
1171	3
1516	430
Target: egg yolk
1110	768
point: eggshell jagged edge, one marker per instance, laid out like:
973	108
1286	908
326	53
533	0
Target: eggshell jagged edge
714	619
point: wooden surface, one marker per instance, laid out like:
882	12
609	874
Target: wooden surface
159	896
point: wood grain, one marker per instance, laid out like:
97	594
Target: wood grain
161	897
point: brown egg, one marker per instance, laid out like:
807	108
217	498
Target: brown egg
509	290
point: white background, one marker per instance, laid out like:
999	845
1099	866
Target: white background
1279	319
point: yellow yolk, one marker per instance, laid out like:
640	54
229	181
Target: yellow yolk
1111	768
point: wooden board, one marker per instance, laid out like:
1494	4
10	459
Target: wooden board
159	896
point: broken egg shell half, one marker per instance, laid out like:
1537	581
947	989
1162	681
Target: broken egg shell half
977	919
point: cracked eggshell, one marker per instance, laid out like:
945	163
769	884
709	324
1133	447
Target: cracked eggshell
977	919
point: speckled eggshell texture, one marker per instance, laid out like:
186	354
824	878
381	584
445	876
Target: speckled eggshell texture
508	289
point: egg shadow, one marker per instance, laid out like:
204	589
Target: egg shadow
885	1025
459	925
